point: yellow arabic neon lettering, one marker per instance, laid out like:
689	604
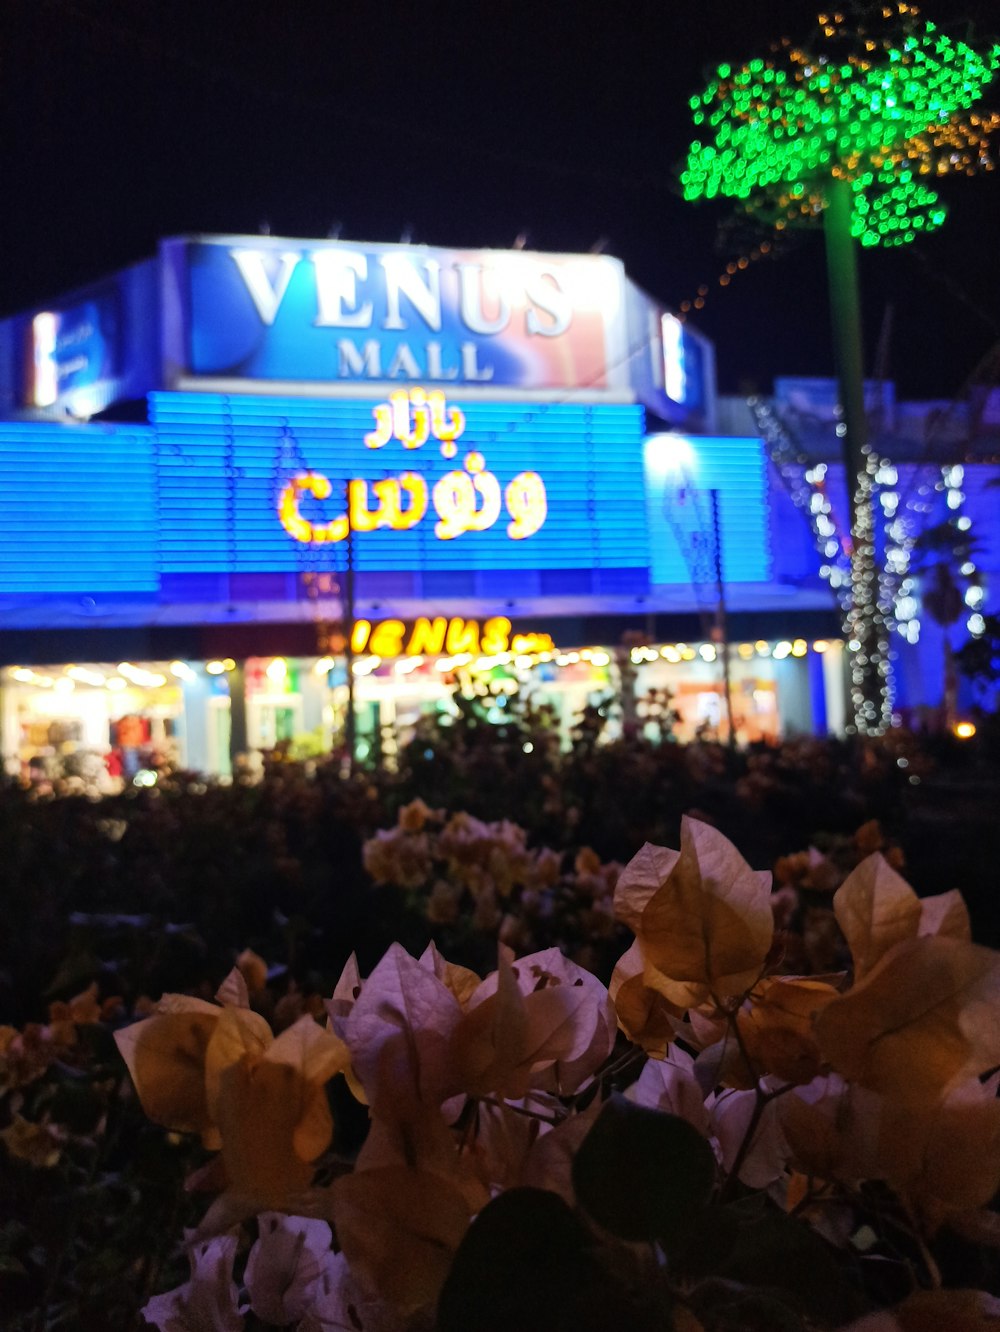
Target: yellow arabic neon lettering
456	504
412	416
488	487
414	485
527	505
383	426
362	519
402	402
389	512
299	528
446	423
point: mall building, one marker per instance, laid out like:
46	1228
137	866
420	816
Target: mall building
235	472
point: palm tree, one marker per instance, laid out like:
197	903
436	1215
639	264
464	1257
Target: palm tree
845	131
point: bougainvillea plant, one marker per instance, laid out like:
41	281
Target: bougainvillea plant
706	1144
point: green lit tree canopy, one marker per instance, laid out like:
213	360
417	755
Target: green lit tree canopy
883	101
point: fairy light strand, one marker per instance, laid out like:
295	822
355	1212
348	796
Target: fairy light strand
886	105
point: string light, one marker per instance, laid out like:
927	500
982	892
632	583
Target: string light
870	114
733	267
887	111
887	589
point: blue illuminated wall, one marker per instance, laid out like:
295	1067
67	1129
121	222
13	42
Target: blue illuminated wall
681	472
128	523
222	462
77	511
150	524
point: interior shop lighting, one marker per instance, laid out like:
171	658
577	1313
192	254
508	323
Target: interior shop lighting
324	666
64	685
277	670
762	647
182	671
782	650
800	647
599	659
366	665
84	676
139	676
687	653
670	653
214	667
821	645
407	664
116	684
745	651
707	652
228	664
24	676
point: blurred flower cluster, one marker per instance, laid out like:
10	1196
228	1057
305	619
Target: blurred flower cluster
469	876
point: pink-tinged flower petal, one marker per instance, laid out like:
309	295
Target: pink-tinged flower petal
669	1084
285	1266
729	1120
587	1040
340	1305
399	1032
209	1302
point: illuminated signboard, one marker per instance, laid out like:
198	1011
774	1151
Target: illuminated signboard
322	318
181	521
74	350
441	635
465	501
93	347
327	314
437	485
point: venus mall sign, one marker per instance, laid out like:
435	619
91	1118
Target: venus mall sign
325	313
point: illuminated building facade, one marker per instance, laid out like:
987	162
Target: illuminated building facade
512	457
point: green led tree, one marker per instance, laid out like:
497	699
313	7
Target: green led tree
847	131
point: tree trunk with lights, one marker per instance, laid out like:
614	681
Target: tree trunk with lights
848	128
865	625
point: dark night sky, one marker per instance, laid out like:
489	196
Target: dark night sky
461	123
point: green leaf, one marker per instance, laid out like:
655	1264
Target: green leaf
777	1254
529	1264
643	1174
520	1265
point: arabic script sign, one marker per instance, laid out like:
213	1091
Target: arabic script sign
469	499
